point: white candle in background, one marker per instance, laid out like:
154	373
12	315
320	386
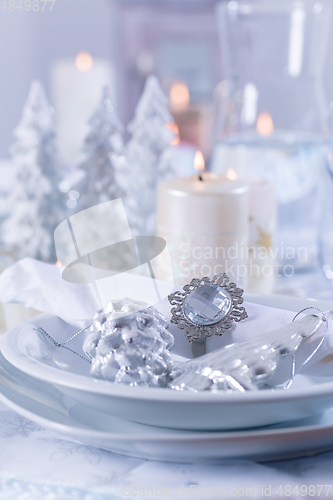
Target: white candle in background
76	88
204	219
262	225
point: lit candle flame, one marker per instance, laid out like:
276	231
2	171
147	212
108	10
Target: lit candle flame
265	124
199	162
58	263
231	174
83	61
179	97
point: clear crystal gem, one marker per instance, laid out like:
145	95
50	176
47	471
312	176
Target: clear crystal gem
207	305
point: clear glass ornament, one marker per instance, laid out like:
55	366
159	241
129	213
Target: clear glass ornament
249	365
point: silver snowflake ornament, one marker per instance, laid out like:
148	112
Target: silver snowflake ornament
207	306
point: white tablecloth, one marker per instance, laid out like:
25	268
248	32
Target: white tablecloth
36	464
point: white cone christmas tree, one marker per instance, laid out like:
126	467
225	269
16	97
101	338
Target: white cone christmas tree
103	154
35	204
145	151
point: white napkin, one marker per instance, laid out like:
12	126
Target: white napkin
39	286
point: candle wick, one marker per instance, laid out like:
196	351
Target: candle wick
200	177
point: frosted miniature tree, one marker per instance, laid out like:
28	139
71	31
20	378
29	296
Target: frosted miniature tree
103	149
35	204
145	156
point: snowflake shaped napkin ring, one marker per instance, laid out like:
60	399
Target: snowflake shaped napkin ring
207	307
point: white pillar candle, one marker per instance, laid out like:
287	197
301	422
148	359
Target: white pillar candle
76	91
262	226
262	268
205	225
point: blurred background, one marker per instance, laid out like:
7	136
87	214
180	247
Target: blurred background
178	40
249	84
127	40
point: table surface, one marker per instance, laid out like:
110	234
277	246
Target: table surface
42	464
37	464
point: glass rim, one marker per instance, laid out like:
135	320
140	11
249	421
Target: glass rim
249	7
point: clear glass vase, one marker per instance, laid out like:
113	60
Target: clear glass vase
272	111
327	221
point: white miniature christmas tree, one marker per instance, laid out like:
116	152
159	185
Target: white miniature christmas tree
35	204
103	149
145	154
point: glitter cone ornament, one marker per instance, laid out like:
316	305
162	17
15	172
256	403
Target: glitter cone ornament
129	344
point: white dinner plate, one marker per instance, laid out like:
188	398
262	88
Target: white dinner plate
37	356
43	404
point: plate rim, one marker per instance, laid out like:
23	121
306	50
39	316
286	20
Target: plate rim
208	436
84	383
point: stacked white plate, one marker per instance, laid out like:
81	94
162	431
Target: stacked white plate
52	387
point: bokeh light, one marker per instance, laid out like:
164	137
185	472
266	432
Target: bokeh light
174	128
231	174
179	97
265	124
83	61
